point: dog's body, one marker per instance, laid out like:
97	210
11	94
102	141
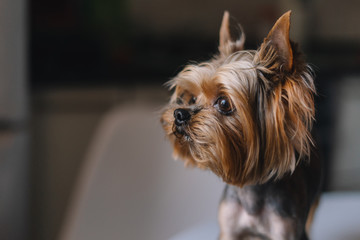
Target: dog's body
247	116
278	209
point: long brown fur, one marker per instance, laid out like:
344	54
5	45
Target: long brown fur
271	91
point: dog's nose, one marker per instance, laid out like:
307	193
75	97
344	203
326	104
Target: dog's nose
181	116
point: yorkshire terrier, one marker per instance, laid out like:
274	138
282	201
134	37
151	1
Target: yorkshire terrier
247	116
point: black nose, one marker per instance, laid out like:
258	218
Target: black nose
181	116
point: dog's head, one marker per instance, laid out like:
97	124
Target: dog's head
243	114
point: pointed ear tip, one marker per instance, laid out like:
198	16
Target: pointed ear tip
225	21
287	15
283	21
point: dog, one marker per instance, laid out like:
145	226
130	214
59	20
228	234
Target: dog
247	116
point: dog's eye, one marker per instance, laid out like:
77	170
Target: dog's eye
223	105
192	100
179	101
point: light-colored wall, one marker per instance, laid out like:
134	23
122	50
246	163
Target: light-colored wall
345	170
14	138
13	90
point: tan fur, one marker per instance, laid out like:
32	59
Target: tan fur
311	215
274	110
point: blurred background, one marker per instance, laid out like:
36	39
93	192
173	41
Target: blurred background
82	153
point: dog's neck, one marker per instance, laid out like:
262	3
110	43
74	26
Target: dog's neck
250	197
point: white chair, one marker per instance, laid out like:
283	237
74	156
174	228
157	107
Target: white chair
130	188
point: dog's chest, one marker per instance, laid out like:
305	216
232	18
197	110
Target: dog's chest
234	217
248	217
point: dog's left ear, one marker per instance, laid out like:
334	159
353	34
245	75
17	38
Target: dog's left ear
227	45
278	40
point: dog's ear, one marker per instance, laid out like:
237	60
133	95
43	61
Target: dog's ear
278	40
226	44
285	101
224	34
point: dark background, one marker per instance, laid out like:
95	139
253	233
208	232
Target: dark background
81	42
83	54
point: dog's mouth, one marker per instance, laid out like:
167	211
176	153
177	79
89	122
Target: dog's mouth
181	131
